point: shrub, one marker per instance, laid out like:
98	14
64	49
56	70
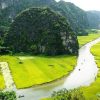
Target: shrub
8	96
68	95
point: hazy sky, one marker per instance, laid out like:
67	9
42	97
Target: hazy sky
86	4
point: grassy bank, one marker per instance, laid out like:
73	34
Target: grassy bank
2	85
93	91
28	71
90	92
85	39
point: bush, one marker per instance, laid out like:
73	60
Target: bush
8	96
68	95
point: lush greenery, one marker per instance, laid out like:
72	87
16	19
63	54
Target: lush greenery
7	95
29	64
2	83
49	33
93	91
67	95
75	16
90	93
32	70
85	39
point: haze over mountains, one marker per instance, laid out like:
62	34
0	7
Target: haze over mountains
94	19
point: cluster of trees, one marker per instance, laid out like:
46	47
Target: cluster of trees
49	33
68	95
8	95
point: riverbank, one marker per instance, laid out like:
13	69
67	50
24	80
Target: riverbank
85	71
38	70
46	90
93	91
86	39
27	61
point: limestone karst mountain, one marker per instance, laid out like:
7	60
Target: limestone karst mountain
41	31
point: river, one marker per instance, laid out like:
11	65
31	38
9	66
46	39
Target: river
84	74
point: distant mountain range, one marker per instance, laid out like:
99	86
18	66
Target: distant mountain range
74	15
77	18
94	19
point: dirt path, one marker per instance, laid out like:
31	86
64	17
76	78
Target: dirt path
7	76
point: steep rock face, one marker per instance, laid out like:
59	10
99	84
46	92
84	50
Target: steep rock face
41	31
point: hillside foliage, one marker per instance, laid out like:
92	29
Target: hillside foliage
41	31
75	16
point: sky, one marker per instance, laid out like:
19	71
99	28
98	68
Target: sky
86	4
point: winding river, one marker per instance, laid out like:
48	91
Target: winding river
83	75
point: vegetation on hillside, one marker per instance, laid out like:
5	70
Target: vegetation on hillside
75	16
41	31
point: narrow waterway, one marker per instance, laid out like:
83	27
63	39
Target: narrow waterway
83	75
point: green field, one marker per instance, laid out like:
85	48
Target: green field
93	91
32	70
29	71
2	86
85	39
